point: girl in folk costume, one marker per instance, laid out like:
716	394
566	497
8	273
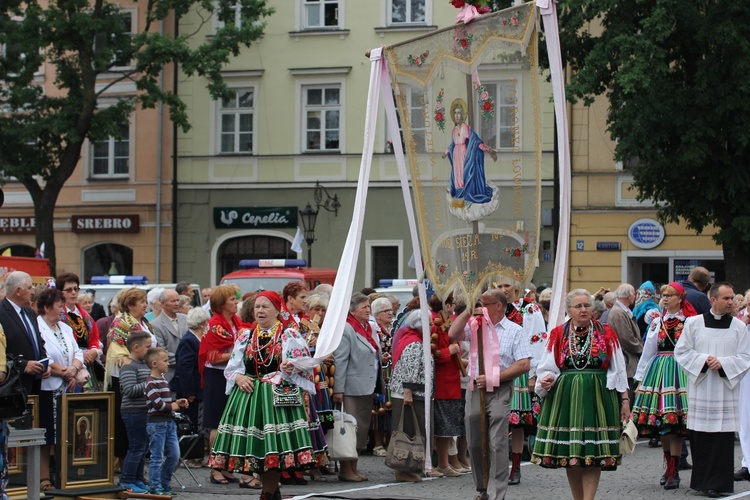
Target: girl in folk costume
525	405
84	328
580	374
661	399
264	428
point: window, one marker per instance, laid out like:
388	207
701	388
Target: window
503	130
415	104
321	118
111	158
119	41
236	122
321	14
106	259
407	12
383	260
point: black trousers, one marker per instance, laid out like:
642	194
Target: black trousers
713	461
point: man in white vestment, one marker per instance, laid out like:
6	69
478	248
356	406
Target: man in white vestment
714	351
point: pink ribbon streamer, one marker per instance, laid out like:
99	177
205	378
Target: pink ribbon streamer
467	13
491	351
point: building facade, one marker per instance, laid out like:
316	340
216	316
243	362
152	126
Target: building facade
293	135
114	214
614	237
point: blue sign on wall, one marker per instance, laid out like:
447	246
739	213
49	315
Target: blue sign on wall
579	244
646	233
607	245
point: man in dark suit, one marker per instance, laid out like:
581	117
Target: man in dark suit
695	289
22	331
97	310
169	326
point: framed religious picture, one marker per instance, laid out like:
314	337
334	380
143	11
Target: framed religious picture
17	456
85	445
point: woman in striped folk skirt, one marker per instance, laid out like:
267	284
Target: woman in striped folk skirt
661	401
580	375
264	428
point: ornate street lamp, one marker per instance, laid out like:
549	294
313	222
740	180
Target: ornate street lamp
309	216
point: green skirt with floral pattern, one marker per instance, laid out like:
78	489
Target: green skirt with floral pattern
256	436
580	423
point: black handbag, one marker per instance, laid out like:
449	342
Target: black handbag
12	393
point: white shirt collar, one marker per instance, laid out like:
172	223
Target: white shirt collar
626	308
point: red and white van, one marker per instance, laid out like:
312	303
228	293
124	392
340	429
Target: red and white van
273	274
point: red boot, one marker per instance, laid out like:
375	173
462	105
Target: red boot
673	474
515	471
663	479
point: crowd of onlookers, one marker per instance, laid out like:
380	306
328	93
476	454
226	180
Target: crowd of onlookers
229	366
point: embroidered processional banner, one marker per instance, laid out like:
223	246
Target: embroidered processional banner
468	102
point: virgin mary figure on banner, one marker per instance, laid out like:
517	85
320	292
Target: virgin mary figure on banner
471	197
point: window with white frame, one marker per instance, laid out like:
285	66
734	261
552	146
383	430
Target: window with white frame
407	11
415	105
116	39
236	128
321	118
111	157
321	14
234	11
503	131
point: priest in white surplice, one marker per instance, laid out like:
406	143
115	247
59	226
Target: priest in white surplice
714	351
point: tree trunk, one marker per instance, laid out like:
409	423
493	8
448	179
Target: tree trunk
737	264
45	233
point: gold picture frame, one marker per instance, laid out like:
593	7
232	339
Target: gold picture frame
85	445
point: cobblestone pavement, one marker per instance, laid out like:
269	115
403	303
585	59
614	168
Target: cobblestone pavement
636	479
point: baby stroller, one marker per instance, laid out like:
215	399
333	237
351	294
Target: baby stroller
191	444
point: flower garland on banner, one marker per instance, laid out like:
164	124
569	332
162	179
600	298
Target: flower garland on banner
440	111
486	104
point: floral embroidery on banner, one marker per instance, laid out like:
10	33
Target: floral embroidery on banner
419	59
486	104
440	111
517	251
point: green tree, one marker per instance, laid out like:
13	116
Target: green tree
41	136
675	75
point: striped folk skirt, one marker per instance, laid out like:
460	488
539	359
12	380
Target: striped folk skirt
256	436
522	415
661	401
580	423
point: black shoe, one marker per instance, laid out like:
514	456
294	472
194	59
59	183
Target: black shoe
713	494
685	465
653	443
515	479
742	475
663	480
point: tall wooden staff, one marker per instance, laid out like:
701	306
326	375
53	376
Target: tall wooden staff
483	389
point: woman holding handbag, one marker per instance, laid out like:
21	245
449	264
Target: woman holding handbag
408	382
358	375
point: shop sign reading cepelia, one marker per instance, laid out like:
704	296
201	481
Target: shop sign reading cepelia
17	225
255	217
105	224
